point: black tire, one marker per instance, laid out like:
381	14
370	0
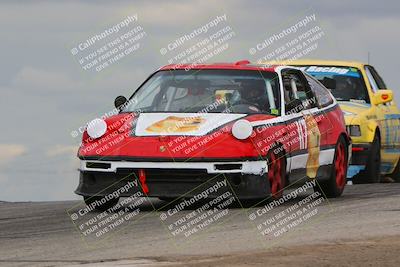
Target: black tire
372	172
334	186
396	173
103	207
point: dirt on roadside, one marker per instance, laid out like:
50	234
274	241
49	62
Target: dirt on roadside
371	252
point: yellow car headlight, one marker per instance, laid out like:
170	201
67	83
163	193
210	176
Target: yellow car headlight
354	130
348	113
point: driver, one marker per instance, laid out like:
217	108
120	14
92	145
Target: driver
344	88
253	92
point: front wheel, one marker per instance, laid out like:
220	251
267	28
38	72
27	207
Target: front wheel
334	186
100	203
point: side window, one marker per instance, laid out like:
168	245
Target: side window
378	79
372	82
322	94
297	92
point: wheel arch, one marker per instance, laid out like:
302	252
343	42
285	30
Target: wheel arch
374	129
345	137
348	141
278	148
377	131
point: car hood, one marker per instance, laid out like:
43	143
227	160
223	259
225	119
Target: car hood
171	136
189	124
353	109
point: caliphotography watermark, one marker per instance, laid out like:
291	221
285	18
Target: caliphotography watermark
302	133
110	45
278	217
200	45
298	40
196	211
115	111
100	216
116	132
209	120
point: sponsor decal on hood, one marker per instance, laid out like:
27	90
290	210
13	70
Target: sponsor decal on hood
192	124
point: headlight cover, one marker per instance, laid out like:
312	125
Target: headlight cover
96	128
354	130
242	129
348	113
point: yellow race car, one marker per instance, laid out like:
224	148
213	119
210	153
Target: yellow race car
372	117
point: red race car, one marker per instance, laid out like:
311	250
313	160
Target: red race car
253	128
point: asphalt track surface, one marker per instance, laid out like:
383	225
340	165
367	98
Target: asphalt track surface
362	228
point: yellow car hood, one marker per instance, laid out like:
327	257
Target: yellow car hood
352	109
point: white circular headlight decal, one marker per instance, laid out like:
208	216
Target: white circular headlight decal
242	129
96	128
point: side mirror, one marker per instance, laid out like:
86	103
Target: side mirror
383	96
120	101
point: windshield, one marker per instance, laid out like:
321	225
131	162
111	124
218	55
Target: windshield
233	91
345	83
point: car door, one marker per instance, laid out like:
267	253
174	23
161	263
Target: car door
300	106
322	116
383	114
390	121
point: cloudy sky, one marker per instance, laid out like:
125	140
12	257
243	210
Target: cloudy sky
45	94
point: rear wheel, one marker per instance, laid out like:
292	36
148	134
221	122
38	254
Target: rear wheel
334	186
100	202
372	172
276	173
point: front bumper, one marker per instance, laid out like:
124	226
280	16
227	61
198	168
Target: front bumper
173	179
244	167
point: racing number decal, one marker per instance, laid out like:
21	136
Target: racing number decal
302	133
309	138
